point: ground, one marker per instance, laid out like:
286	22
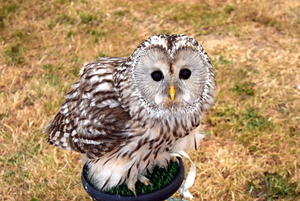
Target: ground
252	150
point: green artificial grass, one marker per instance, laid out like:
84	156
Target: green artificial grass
159	178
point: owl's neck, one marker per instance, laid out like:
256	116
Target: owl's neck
175	122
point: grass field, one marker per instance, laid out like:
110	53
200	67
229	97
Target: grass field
253	148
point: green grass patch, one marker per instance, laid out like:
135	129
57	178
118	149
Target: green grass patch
61	19
224	61
34	199
86	17
255	121
122	13
15	54
221	62
243	120
22	36
243	89
89	18
6	11
228	9
70	34
273	186
51	69
95	34
4	114
250	126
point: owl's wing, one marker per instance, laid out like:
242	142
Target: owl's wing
91	120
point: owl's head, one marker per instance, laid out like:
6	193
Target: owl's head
170	73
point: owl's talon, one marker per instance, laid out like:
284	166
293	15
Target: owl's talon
145	181
132	188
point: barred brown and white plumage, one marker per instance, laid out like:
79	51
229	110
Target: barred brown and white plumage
128	114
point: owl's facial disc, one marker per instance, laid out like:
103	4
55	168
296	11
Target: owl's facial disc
170	81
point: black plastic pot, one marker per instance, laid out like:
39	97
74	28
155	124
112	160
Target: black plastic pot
158	195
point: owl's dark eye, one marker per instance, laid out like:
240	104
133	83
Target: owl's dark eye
157	76
185	74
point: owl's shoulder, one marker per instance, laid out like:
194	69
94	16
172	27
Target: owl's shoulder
96	85
103	62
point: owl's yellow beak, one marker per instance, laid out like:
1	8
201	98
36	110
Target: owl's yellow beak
172	92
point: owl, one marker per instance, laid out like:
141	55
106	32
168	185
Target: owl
126	115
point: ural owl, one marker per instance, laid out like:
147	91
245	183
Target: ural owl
127	115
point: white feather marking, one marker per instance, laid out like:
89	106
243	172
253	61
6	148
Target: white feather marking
94	79
101	105
86	122
75	85
85	141
71	95
63	139
105	87
92	104
64	110
67	120
86	96
100	71
56	133
63	106
65	145
106	77
81	105
114	104
73	133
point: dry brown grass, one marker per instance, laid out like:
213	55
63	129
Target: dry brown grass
254	126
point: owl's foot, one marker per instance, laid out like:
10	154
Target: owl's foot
144	180
132	188
131	184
